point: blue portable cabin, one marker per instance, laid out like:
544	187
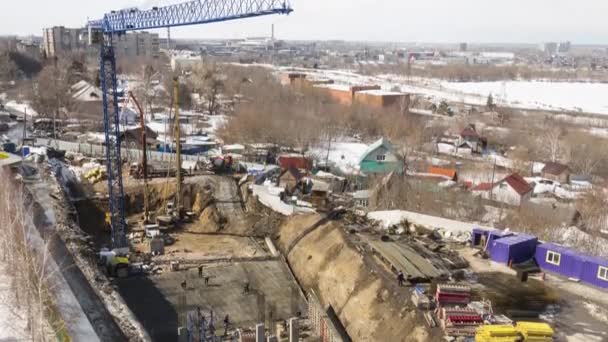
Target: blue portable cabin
595	272
572	264
513	249
478	234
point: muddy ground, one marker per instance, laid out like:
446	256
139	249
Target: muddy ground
161	303
536	300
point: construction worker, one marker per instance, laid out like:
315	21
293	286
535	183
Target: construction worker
212	330
203	329
200	271
226	324
190	321
400	278
108	221
246	288
207	280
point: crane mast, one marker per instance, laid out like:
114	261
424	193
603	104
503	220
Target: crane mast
117	23
178	148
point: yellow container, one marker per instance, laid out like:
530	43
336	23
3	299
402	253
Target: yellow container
496	333
533	331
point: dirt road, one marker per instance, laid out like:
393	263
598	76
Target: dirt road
227	198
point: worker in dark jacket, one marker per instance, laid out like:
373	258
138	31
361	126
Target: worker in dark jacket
400	278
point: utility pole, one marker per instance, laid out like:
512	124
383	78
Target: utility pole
493	177
57	107
178	147
24	125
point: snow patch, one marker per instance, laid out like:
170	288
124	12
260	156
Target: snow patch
343	155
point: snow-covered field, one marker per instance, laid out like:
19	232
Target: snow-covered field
555	96
569	96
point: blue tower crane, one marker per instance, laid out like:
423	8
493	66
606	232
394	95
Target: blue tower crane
117	23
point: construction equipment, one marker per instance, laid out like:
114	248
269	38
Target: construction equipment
155	169
144	155
117	23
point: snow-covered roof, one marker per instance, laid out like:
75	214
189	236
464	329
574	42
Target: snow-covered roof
341	87
382	142
380	92
234	147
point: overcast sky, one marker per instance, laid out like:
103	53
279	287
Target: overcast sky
514	21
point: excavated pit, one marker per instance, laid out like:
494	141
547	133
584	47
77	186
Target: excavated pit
222	236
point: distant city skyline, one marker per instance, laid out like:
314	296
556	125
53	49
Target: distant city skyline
430	21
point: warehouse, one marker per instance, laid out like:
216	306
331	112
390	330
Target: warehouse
382	99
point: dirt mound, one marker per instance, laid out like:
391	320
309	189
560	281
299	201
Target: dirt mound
370	306
209	221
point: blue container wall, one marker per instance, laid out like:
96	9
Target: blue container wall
541	260
590	273
570	266
495	235
523	251
499	252
516	252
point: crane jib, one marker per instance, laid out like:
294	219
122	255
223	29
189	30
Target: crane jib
188	13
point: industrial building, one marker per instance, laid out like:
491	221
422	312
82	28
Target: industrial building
382	98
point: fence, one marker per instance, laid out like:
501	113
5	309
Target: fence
99	151
320	322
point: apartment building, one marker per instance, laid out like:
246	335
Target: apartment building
60	40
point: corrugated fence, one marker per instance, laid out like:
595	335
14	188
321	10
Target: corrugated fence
99	151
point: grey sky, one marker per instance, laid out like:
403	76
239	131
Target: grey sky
581	21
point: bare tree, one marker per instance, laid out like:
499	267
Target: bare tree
51	94
551	143
592	208
586	152
8	70
209	84
28	256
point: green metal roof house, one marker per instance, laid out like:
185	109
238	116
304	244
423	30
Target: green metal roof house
380	158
